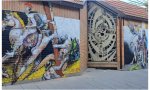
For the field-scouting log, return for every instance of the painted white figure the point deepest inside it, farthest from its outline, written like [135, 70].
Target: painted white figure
[17, 34]
[138, 46]
[138, 51]
[14, 35]
[29, 38]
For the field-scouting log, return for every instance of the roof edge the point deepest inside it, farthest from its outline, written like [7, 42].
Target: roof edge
[136, 18]
[121, 14]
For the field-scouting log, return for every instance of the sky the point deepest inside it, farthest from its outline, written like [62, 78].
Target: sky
[129, 1]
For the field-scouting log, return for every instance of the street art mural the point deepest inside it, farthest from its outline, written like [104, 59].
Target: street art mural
[101, 34]
[28, 46]
[136, 44]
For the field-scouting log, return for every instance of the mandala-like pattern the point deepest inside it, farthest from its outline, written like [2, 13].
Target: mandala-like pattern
[101, 35]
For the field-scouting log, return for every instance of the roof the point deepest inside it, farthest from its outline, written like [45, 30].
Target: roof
[126, 10]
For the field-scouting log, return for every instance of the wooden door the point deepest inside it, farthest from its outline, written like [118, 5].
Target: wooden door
[101, 34]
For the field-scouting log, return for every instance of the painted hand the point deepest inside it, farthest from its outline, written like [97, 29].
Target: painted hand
[10, 54]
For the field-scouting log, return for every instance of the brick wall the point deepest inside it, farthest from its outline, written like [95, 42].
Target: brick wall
[83, 38]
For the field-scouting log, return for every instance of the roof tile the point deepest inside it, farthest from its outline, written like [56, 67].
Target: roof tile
[128, 9]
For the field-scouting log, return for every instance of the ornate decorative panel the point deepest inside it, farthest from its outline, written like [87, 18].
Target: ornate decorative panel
[101, 35]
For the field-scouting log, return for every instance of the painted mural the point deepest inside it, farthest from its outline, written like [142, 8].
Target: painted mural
[101, 34]
[136, 44]
[31, 51]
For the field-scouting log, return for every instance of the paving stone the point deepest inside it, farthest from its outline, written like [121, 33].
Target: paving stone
[93, 79]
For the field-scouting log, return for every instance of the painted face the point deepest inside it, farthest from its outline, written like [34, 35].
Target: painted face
[55, 40]
[31, 40]
[27, 9]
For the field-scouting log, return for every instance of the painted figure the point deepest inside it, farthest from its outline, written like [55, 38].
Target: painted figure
[14, 34]
[28, 47]
[50, 72]
[137, 45]
[69, 50]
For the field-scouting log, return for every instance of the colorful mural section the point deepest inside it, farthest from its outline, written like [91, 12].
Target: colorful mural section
[136, 45]
[31, 51]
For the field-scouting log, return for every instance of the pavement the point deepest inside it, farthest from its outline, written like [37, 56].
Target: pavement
[92, 79]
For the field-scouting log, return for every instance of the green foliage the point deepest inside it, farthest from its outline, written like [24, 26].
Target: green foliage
[135, 67]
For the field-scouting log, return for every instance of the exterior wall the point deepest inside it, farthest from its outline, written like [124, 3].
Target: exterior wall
[135, 37]
[37, 6]
[84, 39]
[19, 6]
[66, 12]
[78, 21]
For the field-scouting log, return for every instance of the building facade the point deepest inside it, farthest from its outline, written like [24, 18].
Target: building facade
[44, 40]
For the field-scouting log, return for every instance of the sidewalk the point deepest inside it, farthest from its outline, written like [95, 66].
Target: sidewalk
[92, 79]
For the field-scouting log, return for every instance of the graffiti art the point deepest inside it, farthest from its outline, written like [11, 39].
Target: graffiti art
[28, 46]
[135, 44]
[101, 35]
